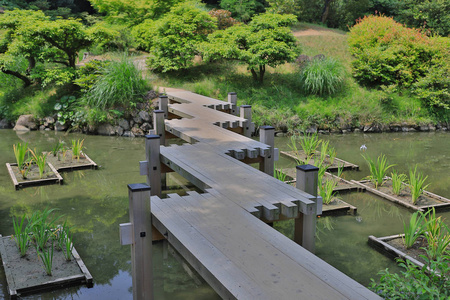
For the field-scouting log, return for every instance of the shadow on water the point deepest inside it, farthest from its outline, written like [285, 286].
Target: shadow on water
[96, 202]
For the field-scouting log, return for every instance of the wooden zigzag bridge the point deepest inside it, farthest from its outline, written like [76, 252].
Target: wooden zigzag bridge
[224, 232]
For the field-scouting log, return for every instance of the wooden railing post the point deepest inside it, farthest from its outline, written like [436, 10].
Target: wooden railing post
[232, 99]
[141, 241]
[267, 136]
[163, 104]
[152, 144]
[246, 113]
[158, 125]
[305, 225]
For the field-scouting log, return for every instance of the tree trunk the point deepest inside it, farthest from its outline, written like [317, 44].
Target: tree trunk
[26, 80]
[255, 76]
[326, 10]
[31, 64]
[262, 70]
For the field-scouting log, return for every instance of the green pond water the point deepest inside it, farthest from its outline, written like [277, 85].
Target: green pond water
[96, 202]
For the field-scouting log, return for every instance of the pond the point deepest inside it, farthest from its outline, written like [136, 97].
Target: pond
[96, 202]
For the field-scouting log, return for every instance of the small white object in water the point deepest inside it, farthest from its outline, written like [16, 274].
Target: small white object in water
[359, 219]
[363, 148]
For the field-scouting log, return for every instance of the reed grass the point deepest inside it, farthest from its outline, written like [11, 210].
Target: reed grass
[77, 148]
[397, 182]
[310, 143]
[20, 150]
[378, 169]
[41, 225]
[278, 174]
[21, 236]
[46, 256]
[326, 190]
[414, 229]
[57, 148]
[416, 184]
[437, 234]
[40, 161]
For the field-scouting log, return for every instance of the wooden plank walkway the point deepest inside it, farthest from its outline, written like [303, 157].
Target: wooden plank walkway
[240, 256]
[243, 258]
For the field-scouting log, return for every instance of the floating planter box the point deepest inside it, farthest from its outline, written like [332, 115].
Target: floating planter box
[66, 163]
[300, 155]
[26, 275]
[33, 179]
[425, 202]
[391, 246]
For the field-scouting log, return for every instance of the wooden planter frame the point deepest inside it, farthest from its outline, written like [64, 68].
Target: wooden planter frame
[35, 182]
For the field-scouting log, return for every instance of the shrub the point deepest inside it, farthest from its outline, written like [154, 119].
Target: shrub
[120, 84]
[387, 53]
[224, 19]
[322, 76]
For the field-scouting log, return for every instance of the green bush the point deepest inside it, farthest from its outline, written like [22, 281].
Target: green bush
[120, 84]
[322, 76]
[387, 53]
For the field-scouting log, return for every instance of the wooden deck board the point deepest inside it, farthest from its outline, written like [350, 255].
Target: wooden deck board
[251, 248]
[189, 97]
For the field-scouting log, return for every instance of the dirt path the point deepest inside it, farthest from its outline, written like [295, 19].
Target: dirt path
[314, 32]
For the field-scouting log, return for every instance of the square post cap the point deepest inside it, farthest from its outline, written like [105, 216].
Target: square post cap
[246, 106]
[158, 111]
[152, 136]
[162, 96]
[139, 187]
[232, 93]
[267, 127]
[307, 168]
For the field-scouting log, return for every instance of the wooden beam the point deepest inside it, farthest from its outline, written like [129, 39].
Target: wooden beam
[232, 99]
[163, 103]
[152, 150]
[267, 136]
[159, 126]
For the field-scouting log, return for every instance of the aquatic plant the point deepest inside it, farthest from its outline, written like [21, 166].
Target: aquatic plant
[326, 191]
[397, 182]
[40, 161]
[340, 170]
[331, 154]
[378, 170]
[416, 184]
[58, 147]
[413, 229]
[309, 143]
[437, 234]
[41, 226]
[278, 174]
[363, 148]
[77, 148]
[47, 258]
[64, 239]
[21, 236]
[20, 151]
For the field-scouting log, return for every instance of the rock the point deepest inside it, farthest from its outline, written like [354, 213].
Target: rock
[280, 134]
[312, 129]
[318, 57]
[345, 131]
[21, 128]
[124, 124]
[145, 116]
[131, 123]
[119, 130]
[60, 127]
[47, 129]
[146, 127]
[150, 95]
[106, 129]
[324, 131]
[42, 127]
[302, 60]
[28, 121]
[357, 130]
[138, 120]
[128, 134]
[431, 127]
[49, 121]
[137, 131]
[424, 128]
[4, 124]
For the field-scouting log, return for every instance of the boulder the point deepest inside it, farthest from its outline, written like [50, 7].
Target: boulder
[137, 131]
[49, 121]
[21, 128]
[4, 124]
[145, 116]
[128, 134]
[60, 127]
[106, 129]
[119, 130]
[150, 95]
[137, 119]
[146, 127]
[124, 124]
[27, 121]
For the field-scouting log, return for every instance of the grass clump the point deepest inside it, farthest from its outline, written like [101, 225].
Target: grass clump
[414, 229]
[21, 236]
[77, 148]
[120, 84]
[397, 182]
[322, 76]
[40, 161]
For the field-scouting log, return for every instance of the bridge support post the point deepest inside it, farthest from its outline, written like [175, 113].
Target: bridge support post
[141, 241]
[267, 136]
[246, 113]
[163, 104]
[232, 99]
[305, 225]
[152, 144]
[160, 129]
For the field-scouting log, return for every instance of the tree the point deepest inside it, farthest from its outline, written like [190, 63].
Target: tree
[284, 7]
[173, 39]
[15, 43]
[133, 12]
[243, 10]
[266, 40]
